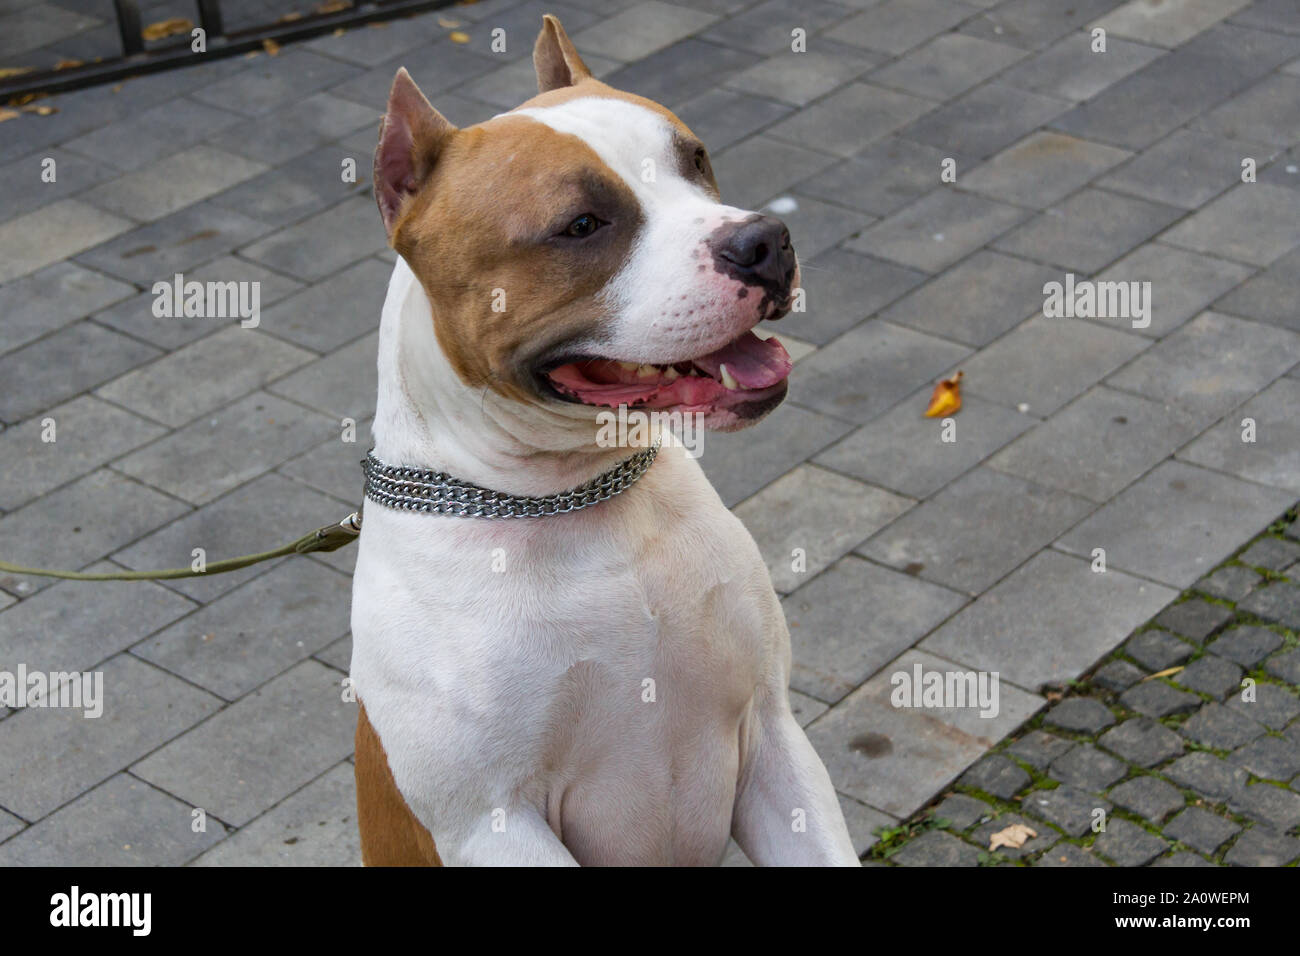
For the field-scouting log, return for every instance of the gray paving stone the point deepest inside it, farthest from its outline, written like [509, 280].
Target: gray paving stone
[202, 376]
[1260, 846]
[936, 848]
[863, 821]
[1273, 554]
[1273, 458]
[1168, 24]
[75, 625]
[1183, 858]
[947, 66]
[260, 430]
[1274, 706]
[818, 513]
[1272, 758]
[1156, 650]
[51, 756]
[1253, 222]
[1187, 169]
[1067, 854]
[519, 23]
[961, 811]
[51, 298]
[261, 749]
[945, 539]
[1231, 583]
[310, 249]
[1210, 675]
[1195, 620]
[56, 231]
[1068, 808]
[334, 465]
[288, 194]
[1175, 523]
[938, 230]
[765, 28]
[274, 82]
[195, 235]
[1219, 728]
[760, 168]
[1087, 768]
[1143, 742]
[1069, 70]
[87, 432]
[372, 43]
[1154, 699]
[640, 30]
[1278, 603]
[1265, 113]
[882, 178]
[1267, 804]
[508, 86]
[447, 65]
[816, 226]
[1034, 23]
[853, 118]
[174, 182]
[252, 633]
[873, 367]
[314, 827]
[304, 125]
[896, 759]
[339, 656]
[1098, 445]
[985, 120]
[1088, 230]
[1207, 775]
[81, 522]
[1182, 284]
[800, 78]
[843, 289]
[1044, 838]
[73, 174]
[1247, 645]
[122, 822]
[1051, 594]
[343, 383]
[1041, 169]
[996, 776]
[1127, 844]
[1148, 797]
[1200, 829]
[996, 293]
[727, 117]
[1285, 666]
[1117, 676]
[904, 452]
[896, 26]
[893, 612]
[805, 709]
[1038, 748]
[1083, 715]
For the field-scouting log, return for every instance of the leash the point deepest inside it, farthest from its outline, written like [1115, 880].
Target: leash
[329, 538]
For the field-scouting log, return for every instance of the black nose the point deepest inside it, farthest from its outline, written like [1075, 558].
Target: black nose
[758, 250]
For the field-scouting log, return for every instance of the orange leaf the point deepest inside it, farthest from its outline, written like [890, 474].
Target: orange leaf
[458, 37]
[167, 28]
[946, 398]
[271, 47]
[8, 71]
[8, 115]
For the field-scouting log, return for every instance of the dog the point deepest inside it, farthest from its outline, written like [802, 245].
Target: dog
[606, 685]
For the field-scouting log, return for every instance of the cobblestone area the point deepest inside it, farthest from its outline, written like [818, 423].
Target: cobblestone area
[1186, 739]
[1075, 434]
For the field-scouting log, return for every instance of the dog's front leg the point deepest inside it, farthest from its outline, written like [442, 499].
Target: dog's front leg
[516, 836]
[786, 811]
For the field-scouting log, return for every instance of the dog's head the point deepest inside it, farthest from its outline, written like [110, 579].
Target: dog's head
[576, 252]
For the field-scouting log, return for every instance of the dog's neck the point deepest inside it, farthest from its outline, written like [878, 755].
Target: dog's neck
[427, 417]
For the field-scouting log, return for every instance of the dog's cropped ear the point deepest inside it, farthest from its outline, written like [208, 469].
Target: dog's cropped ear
[411, 135]
[555, 58]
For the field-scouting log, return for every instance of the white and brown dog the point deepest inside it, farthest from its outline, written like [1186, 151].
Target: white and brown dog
[607, 686]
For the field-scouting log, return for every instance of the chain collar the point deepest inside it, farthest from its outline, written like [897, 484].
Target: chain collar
[415, 489]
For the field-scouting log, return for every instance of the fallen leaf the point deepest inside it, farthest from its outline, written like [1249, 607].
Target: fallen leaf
[117, 88]
[68, 64]
[458, 37]
[1164, 673]
[271, 47]
[290, 17]
[447, 24]
[332, 6]
[167, 28]
[946, 398]
[41, 110]
[1013, 837]
[8, 115]
[7, 71]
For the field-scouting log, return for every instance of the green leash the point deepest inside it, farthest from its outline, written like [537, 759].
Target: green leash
[329, 538]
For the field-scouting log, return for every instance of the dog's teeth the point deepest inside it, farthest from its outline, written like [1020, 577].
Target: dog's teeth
[728, 380]
[647, 371]
[671, 374]
[628, 366]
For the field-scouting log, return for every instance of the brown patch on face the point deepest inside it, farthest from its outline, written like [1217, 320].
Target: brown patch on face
[486, 229]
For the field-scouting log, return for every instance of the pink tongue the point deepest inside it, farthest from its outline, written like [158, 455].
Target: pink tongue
[751, 361]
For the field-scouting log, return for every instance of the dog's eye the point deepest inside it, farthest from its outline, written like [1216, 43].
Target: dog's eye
[583, 226]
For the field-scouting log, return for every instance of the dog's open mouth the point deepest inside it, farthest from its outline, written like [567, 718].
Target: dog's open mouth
[743, 371]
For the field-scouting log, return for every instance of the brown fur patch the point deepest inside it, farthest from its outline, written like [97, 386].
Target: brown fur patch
[390, 833]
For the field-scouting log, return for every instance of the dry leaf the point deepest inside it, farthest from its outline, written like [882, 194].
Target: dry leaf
[946, 398]
[1013, 837]
[271, 47]
[1164, 673]
[458, 37]
[332, 6]
[290, 17]
[447, 24]
[167, 28]
[8, 115]
[68, 64]
[41, 110]
[8, 71]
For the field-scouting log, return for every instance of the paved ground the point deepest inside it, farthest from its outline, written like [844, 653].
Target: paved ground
[975, 554]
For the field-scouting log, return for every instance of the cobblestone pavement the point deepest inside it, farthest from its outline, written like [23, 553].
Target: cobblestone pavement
[977, 554]
[1181, 749]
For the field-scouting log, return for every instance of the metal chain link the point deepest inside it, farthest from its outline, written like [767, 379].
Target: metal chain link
[435, 492]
